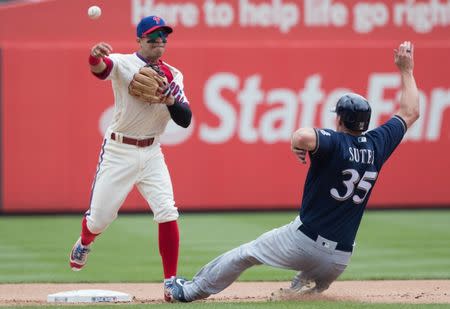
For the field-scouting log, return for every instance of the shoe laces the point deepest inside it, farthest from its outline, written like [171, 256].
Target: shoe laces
[80, 252]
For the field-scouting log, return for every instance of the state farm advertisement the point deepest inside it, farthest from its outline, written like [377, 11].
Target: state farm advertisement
[236, 153]
[254, 72]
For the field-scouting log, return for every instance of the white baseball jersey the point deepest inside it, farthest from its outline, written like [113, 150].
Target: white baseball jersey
[132, 117]
[122, 166]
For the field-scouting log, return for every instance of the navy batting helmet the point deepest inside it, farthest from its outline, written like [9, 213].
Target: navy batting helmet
[354, 111]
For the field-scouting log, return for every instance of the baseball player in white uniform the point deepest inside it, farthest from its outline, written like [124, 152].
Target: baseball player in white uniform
[131, 153]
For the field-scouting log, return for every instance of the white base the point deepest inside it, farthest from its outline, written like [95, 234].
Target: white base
[89, 296]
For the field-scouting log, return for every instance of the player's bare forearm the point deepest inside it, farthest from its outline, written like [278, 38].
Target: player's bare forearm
[409, 100]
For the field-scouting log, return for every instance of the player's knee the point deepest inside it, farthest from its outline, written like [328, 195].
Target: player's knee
[99, 223]
[245, 256]
[166, 214]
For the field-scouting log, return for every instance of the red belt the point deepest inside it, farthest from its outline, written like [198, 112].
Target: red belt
[132, 141]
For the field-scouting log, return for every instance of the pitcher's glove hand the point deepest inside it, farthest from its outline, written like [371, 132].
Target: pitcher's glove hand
[147, 85]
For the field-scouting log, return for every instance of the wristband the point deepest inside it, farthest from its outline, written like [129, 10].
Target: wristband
[94, 60]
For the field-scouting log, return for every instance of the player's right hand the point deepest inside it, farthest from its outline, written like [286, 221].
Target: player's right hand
[101, 50]
[404, 57]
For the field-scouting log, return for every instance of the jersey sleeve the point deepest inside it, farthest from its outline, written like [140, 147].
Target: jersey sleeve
[389, 135]
[325, 145]
[115, 60]
[178, 88]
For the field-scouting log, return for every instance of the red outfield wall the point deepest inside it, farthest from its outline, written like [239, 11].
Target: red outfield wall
[254, 72]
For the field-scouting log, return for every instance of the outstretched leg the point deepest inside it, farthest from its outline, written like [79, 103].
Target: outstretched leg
[278, 247]
[219, 273]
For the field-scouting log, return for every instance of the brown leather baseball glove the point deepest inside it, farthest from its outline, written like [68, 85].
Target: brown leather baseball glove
[146, 85]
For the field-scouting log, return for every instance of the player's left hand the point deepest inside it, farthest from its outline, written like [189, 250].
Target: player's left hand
[168, 100]
[301, 154]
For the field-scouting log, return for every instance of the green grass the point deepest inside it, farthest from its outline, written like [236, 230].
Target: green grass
[390, 245]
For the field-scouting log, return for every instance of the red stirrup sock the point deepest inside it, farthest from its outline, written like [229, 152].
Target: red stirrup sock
[86, 236]
[169, 242]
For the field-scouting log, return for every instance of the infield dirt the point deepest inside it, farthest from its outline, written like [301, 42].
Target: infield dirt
[409, 291]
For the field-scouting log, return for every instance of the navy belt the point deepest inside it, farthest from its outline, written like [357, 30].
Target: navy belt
[313, 235]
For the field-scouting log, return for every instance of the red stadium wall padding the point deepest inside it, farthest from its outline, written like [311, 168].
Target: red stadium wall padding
[251, 84]
[229, 21]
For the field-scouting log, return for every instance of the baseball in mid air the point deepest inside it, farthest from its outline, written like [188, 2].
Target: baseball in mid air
[94, 12]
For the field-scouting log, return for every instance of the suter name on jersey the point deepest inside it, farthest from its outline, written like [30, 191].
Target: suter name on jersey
[365, 156]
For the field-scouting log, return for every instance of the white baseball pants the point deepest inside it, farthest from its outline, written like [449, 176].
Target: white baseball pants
[120, 167]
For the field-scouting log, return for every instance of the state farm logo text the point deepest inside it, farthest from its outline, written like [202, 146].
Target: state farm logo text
[240, 108]
[257, 115]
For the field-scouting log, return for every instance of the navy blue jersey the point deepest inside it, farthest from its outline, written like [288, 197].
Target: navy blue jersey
[343, 171]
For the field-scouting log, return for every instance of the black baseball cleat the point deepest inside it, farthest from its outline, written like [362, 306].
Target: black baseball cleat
[176, 287]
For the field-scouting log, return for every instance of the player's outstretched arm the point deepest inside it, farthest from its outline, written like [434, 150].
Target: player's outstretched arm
[304, 139]
[409, 100]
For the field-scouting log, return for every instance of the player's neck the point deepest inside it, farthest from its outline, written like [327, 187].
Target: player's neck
[152, 60]
[340, 127]
[351, 132]
[148, 59]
